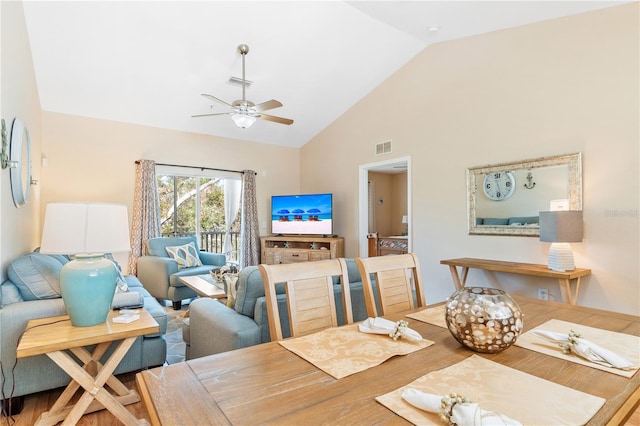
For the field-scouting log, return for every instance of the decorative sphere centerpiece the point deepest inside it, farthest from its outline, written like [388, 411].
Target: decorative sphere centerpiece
[483, 319]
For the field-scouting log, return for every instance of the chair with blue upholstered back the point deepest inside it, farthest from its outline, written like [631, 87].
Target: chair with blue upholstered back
[160, 273]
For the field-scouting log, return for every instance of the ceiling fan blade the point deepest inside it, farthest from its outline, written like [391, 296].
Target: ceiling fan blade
[275, 119]
[209, 115]
[213, 98]
[267, 105]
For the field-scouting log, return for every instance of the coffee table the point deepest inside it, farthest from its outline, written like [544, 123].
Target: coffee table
[203, 285]
[53, 336]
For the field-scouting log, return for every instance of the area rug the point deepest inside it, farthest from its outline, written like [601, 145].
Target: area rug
[175, 344]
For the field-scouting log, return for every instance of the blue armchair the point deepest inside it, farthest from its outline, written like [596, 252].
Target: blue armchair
[159, 273]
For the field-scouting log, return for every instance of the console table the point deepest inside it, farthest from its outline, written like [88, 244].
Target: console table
[292, 249]
[564, 278]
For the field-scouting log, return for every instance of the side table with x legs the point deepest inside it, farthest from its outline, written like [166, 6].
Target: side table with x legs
[55, 336]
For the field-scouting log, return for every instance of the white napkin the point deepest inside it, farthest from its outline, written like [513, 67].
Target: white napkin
[468, 413]
[384, 326]
[587, 350]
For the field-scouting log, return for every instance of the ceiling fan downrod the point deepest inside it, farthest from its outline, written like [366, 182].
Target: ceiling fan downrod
[243, 49]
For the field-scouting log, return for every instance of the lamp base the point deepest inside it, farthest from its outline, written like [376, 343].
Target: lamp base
[87, 284]
[561, 257]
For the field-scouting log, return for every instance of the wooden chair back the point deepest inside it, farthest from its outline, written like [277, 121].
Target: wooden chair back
[310, 299]
[394, 275]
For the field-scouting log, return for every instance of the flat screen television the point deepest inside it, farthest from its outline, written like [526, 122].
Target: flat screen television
[304, 214]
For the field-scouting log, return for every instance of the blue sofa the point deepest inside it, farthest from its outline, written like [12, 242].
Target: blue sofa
[30, 293]
[213, 327]
[160, 274]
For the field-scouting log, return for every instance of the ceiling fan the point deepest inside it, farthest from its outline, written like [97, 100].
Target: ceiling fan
[243, 112]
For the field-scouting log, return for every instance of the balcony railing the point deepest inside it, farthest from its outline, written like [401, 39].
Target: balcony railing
[212, 241]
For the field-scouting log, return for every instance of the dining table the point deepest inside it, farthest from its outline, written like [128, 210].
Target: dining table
[268, 384]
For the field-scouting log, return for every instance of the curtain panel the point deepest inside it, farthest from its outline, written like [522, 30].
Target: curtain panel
[232, 192]
[249, 228]
[146, 211]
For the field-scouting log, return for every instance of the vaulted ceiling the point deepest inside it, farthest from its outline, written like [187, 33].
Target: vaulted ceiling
[147, 62]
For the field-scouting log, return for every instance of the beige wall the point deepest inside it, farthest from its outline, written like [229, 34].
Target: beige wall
[399, 206]
[93, 160]
[555, 87]
[391, 202]
[19, 227]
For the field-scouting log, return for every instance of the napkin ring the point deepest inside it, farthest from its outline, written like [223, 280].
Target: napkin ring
[572, 340]
[446, 408]
[400, 325]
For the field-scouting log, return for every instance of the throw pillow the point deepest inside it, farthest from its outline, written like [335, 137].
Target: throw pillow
[9, 294]
[36, 275]
[186, 255]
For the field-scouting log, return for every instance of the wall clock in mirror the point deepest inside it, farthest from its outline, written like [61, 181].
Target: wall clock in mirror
[499, 186]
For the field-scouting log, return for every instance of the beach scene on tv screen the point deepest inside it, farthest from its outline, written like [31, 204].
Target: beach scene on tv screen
[301, 214]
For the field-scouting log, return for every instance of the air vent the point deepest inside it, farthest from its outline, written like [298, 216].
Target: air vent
[383, 148]
[237, 81]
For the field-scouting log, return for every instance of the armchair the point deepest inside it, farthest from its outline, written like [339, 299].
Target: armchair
[160, 274]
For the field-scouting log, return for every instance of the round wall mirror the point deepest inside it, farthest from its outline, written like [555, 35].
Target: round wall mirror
[20, 152]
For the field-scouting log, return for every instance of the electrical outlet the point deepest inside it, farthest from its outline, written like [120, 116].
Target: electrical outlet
[543, 294]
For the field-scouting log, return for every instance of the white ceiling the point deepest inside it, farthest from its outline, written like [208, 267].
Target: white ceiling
[147, 62]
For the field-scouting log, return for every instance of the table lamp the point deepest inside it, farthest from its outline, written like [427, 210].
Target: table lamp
[405, 221]
[86, 231]
[560, 228]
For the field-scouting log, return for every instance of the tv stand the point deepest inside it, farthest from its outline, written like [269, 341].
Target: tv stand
[295, 248]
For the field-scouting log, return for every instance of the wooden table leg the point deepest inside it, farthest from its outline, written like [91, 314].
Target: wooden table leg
[116, 385]
[456, 278]
[94, 387]
[465, 273]
[565, 287]
[72, 388]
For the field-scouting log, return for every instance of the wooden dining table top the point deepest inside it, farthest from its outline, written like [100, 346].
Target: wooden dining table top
[267, 384]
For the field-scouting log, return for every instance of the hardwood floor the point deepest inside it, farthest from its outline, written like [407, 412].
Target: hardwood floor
[40, 402]
[634, 420]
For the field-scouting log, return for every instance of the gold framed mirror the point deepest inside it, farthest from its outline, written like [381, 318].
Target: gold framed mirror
[506, 198]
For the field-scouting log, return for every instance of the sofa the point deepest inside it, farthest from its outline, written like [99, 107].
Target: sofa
[160, 274]
[31, 292]
[213, 327]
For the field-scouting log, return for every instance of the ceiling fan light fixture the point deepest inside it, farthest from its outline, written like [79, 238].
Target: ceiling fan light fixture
[243, 120]
[243, 112]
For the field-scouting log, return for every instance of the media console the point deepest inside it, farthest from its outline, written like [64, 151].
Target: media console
[294, 248]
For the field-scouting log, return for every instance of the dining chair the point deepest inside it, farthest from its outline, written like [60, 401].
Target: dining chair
[395, 275]
[309, 293]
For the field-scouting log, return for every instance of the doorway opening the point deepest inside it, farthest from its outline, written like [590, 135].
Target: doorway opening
[382, 207]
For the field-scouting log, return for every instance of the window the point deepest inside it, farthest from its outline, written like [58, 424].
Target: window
[194, 205]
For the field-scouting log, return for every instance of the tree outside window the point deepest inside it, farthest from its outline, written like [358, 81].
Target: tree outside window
[194, 205]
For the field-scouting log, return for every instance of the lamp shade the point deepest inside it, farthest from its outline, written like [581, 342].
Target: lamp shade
[405, 219]
[561, 226]
[76, 228]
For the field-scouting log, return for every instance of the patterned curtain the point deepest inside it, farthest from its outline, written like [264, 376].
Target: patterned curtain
[249, 231]
[146, 211]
